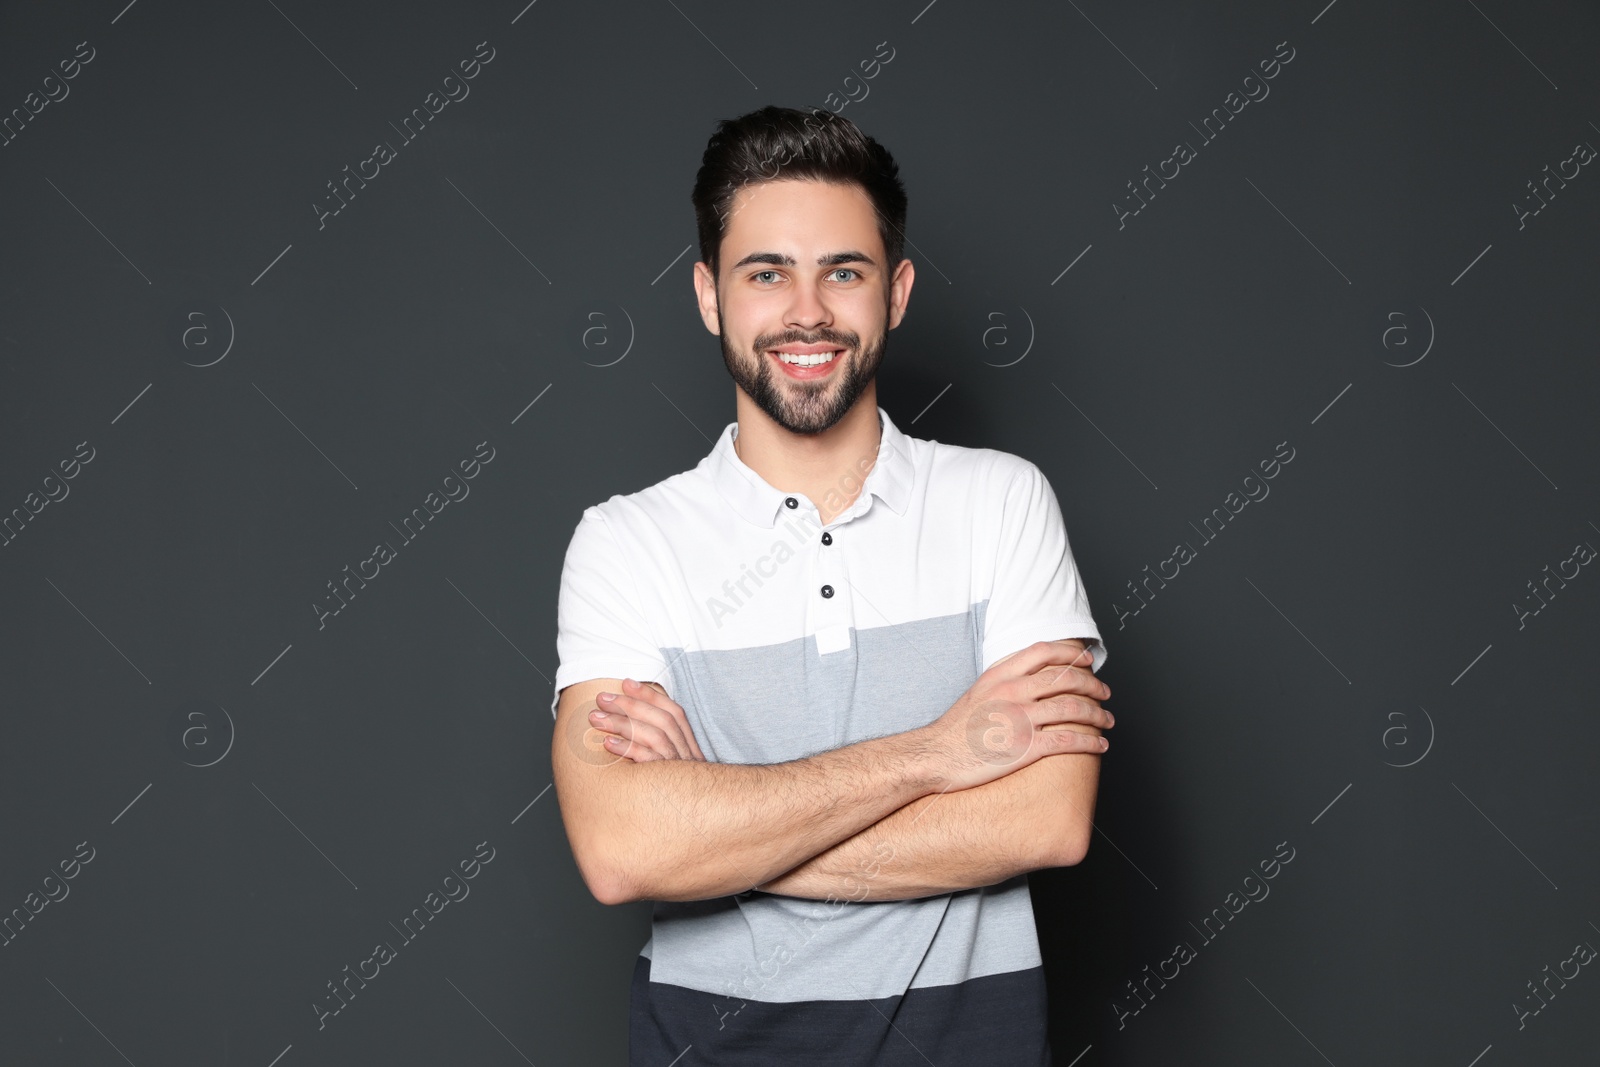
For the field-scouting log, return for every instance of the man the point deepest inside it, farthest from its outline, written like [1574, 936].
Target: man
[868, 706]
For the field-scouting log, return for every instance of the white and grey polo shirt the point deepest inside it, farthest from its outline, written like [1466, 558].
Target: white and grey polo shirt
[782, 638]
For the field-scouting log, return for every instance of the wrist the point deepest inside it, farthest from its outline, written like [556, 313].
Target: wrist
[928, 765]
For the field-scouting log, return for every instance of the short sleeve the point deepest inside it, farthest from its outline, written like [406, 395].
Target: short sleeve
[1037, 594]
[601, 630]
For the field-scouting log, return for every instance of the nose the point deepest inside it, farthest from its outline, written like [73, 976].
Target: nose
[807, 311]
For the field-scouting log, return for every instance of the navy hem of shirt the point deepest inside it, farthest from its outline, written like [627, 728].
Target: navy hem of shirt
[996, 1020]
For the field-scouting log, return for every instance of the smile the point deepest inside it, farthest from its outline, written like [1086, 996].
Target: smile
[812, 359]
[806, 366]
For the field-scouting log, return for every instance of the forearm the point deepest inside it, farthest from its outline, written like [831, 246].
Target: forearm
[943, 843]
[693, 830]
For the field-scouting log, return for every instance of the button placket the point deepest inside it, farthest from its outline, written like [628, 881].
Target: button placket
[830, 588]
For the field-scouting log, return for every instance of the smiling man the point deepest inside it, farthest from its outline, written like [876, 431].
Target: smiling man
[827, 697]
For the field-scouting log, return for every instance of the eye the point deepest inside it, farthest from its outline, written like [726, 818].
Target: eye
[845, 270]
[758, 274]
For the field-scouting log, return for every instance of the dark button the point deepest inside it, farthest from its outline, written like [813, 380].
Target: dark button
[827, 591]
[827, 538]
[791, 502]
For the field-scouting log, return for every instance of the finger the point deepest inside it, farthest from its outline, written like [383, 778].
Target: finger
[1067, 709]
[654, 728]
[630, 750]
[641, 713]
[1067, 739]
[1051, 681]
[680, 718]
[1036, 656]
[694, 746]
[644, 737]
[1073, 661]
[1074, 652]
[622, 739]
[672, 718]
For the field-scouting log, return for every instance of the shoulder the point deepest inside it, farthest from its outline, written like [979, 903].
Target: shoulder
[653, 510]
[987, 473]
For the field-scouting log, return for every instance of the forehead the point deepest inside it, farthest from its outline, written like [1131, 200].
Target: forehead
[821, 216]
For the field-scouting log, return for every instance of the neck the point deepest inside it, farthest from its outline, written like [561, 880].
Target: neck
[829, 468]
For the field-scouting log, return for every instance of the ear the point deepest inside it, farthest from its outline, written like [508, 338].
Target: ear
[705, 288]
[900, 292]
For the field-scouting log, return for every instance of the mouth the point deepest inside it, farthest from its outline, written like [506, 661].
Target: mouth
[806, 365]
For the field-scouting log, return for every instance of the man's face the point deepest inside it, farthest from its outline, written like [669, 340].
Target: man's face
[802, 265]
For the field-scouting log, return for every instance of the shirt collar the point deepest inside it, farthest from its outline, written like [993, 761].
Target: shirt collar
[760, 504]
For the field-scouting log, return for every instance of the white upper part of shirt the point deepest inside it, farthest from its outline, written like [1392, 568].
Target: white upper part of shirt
[715, 560]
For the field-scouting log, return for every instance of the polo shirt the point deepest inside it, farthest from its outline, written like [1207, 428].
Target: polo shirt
[782, 637]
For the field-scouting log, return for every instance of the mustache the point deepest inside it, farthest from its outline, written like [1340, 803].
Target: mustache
[767, 344]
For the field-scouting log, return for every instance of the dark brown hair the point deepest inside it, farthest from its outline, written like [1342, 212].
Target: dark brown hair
[776, 143]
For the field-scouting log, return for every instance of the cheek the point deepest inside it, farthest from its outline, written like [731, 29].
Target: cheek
[741, 322]
[869, 314]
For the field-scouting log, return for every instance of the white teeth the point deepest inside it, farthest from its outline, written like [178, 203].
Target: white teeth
[807, 360]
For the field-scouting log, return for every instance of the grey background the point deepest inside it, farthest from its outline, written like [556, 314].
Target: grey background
[483, 288]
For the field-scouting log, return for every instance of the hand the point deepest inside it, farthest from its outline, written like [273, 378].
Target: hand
[1015, 712]
[645, 724]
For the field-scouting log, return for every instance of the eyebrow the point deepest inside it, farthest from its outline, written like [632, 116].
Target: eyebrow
[780, 259]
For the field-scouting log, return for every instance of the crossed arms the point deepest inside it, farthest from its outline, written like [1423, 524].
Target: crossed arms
[886, 819]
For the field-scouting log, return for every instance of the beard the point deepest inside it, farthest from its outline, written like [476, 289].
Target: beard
[805, 407]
